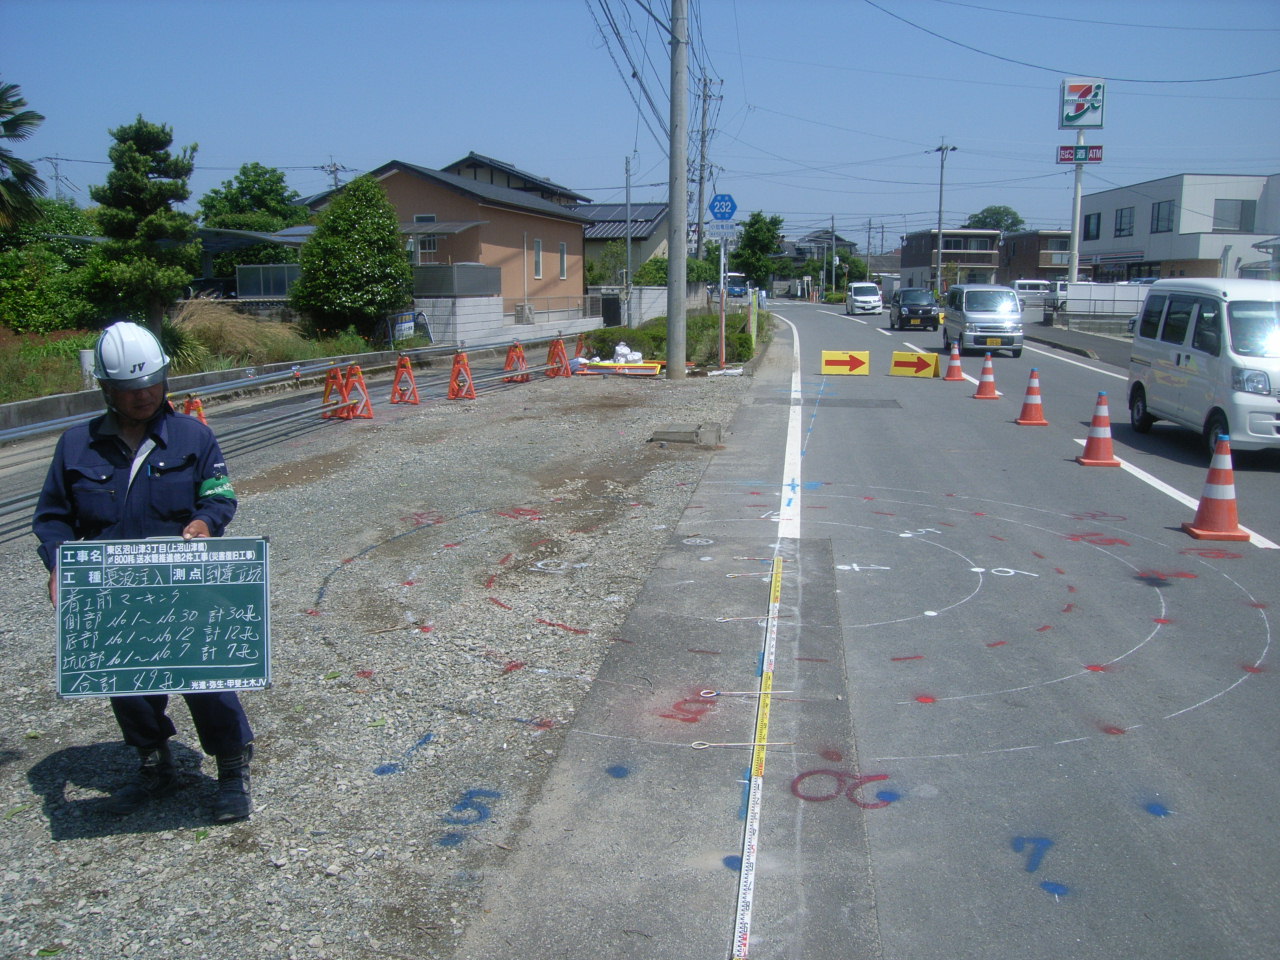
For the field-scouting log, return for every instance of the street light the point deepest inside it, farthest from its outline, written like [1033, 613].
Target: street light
[942, 152]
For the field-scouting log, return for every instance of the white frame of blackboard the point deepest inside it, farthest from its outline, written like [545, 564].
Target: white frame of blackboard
[130, 612]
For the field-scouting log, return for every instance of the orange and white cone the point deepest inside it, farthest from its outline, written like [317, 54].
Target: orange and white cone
[1032, 411]
[1097, 447]
[987, 382]
[1216, 515]
[954, 370]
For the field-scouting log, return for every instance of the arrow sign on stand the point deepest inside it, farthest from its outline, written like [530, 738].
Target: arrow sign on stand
[844, 362]
[914, 364]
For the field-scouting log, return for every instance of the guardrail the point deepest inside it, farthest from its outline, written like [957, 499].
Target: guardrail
[29, 418]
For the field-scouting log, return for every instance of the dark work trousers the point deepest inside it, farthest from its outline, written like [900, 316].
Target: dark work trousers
[220, 721]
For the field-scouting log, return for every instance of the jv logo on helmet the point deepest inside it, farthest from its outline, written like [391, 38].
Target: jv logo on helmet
[137, 367]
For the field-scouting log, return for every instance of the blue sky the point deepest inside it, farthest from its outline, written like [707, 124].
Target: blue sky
[827, 107]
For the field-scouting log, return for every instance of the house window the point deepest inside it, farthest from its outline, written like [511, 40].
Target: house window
[1058, 243]
[1092, 226]
[426, 241]
[564, 261]
[537, 259]
[1124, 222]
[1233, 216]
[1162, 216]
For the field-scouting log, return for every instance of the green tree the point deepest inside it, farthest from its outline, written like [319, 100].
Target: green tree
[609, 268]
[255, 189]
[151, 251]
[996, 217]
[354, 270]
[653, 272]
[760, 239]
[19, 185]
[257, 198]
[41, 279]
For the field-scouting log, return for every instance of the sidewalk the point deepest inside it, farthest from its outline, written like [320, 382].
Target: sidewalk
[1109, 350]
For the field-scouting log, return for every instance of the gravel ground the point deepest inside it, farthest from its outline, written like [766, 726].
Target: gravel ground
[446, 580]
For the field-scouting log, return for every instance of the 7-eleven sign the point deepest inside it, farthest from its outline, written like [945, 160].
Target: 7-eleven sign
[1081, 104]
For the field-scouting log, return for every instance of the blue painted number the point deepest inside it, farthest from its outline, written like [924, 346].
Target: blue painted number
[470, 808]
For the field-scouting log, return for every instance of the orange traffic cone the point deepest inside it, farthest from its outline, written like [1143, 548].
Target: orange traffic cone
[399, 392]
[1216, 515]
[461, 385]
[1097, 447]
[954, 370]
[987, 382]
[1032, 412]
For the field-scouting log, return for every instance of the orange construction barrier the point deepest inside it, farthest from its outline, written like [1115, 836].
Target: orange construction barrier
[334, 381]
[581, 349]
[461, 385]
[516, 361]
[954, 370]
[192, 407]
[399, 392]
[987, 382]
[1097, 447]
[360, 409]
[1032, 411]
[557, 361]
[1216, 516]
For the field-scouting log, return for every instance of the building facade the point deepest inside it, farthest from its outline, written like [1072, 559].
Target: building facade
[1036, 255]
[968, 256]
[1188, 225]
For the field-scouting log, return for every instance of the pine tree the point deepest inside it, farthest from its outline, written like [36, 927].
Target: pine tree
[151, 251]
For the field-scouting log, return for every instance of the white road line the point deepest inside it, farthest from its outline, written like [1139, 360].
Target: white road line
[1257, 539]
[1077, 363]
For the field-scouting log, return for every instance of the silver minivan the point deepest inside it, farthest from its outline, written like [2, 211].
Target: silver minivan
[863, 298]
[983, 317]
[1206, 355]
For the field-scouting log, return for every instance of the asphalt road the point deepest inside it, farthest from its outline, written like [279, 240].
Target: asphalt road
[1015, 711]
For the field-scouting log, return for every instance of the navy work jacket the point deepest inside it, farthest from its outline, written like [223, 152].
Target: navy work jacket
[87, 494]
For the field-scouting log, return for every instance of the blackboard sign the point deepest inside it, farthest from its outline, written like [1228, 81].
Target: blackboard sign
[162, 616]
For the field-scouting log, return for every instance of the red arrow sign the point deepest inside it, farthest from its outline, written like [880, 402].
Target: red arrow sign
[852, 362]
[920, 364]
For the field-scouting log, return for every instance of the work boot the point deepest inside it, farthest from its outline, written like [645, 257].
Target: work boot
[157, 777]
[233, 801]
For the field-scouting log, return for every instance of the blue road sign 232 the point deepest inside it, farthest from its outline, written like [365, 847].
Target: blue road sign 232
[722, 207]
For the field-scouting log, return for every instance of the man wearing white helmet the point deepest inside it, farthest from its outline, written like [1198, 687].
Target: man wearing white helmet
[142, 470]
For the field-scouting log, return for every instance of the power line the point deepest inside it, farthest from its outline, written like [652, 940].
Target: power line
[1058, 70]
[1110, 23]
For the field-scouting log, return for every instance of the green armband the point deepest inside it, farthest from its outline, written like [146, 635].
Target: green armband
[217, 487]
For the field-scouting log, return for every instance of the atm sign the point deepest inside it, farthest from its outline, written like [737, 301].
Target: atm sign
[1089, 153]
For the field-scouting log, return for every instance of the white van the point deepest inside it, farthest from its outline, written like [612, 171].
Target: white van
[1032, 293]
[983, 317]
[1206, 355]
[863, 298]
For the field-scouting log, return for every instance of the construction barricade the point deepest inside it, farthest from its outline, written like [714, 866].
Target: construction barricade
[404, 389]
[461, 384]
[516, 361]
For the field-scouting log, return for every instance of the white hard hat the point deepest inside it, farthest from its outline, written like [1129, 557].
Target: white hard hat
[129, 357]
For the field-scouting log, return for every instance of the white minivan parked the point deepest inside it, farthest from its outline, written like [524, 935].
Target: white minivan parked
[1206, 355]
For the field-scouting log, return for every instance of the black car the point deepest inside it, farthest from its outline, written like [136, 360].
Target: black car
[913, 308]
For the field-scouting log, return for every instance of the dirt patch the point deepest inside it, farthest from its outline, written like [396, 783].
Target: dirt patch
[284, 476]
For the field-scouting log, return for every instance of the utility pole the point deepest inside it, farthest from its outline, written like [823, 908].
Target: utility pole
[627, 288]
[702, 165]
[677, 191]
[867, 258]
[833, 253]
[942, 152]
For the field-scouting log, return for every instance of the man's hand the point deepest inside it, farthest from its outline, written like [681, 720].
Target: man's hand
[53, 587]
[195, 530]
